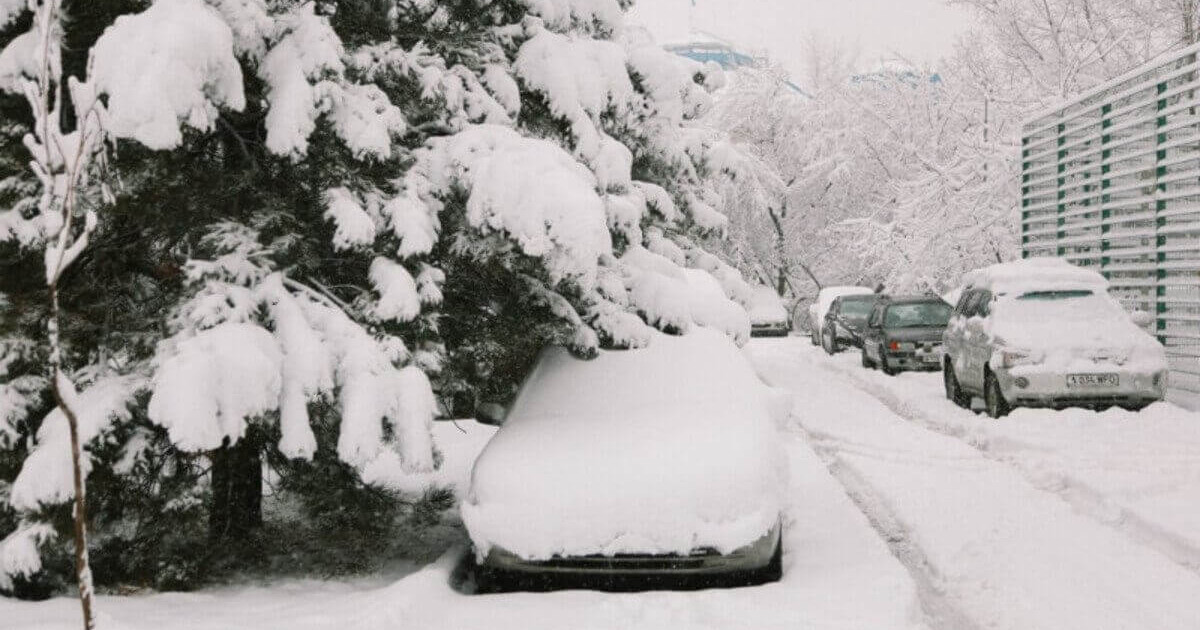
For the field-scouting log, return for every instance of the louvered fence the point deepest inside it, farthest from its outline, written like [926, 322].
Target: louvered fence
[1111, 181]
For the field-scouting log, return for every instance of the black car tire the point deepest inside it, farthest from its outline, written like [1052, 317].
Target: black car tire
[997, 407]
[887, 369]
[866, 361]
[830, 343]
[954, 391]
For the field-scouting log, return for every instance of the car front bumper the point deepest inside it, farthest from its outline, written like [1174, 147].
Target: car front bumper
[752, 557]
[1035, 386]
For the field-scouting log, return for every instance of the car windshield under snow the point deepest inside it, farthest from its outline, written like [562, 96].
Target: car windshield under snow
[918, 314]
[1049, 307]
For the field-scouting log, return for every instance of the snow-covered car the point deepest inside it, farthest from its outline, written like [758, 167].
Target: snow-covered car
[825, 298]
[905, 333]
[649, 465]
[1044, 333]
[845, 321]
[768, 316]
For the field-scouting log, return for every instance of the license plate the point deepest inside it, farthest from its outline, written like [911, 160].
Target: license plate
[1093, 380]
[930, 358]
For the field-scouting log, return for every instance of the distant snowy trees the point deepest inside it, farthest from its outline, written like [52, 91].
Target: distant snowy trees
[908, 176]
[327, 224]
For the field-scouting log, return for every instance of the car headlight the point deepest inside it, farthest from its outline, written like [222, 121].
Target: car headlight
[1012, 357]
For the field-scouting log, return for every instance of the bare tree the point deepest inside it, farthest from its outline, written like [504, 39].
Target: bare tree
[63, 162]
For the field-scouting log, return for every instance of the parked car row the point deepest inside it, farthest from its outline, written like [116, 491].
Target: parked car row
[1030, 333]
[560, 495]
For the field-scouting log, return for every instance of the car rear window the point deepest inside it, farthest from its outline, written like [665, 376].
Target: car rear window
[857, 308]
[1055, 295]
[917, 314]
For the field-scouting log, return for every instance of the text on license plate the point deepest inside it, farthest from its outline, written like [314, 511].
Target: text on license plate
[1093, 380]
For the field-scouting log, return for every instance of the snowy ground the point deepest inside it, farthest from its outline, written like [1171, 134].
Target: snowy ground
[905, 512]
[838, 575]
[1043, 520]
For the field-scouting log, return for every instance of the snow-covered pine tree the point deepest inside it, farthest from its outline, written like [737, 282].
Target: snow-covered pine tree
[342, 207]
[231, 241]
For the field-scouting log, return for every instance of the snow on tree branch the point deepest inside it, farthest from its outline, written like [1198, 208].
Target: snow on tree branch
[527, 190]
[172, 63]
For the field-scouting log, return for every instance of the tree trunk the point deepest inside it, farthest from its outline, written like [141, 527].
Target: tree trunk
[236, 490]
[83, 567]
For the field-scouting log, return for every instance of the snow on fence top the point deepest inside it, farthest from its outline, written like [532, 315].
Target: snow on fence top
[1110, 181]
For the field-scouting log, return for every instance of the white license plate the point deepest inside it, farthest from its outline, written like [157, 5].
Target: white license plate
[1093, 380]
[930, 358]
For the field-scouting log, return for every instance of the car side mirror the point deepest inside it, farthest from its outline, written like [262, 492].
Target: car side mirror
[491, 414]
[1142, 318]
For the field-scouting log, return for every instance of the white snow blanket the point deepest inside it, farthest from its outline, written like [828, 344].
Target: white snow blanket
[837, 574]
[766, 307]
[660, 450]
[1034, 274]
[1043, 520]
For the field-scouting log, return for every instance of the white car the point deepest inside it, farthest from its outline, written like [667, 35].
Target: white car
[818, 309]
[1044, 333]
[662, 463]
[768, 316]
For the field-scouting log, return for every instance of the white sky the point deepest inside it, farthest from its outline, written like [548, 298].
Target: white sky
[920, 30]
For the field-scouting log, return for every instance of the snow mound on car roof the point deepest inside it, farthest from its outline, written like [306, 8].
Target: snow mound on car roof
[660, 450]
[766, 307]
[827, 295]
[1035, 274]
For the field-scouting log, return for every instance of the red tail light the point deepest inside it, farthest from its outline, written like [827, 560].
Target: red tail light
[895, 345]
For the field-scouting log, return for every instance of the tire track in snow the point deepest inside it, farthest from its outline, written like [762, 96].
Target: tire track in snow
[1082, 497]
[939, 611]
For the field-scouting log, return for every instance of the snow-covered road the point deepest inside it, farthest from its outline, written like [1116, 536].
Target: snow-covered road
[1044, 520]
[906, 513]
[838, 574]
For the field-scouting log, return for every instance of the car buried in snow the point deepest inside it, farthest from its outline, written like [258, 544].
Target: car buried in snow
[905, 333]
[819, 307]
[659, 467]
[768, 316]
[1045, 333]
[846, 321]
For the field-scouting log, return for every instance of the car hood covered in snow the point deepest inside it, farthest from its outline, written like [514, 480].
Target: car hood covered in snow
[1076, 333]
[661, 450]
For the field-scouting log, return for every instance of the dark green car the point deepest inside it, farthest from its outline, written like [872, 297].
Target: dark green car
[905, 333]
[845, 321]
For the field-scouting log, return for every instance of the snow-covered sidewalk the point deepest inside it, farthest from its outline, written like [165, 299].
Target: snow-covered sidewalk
[1003, 549]
[837, 574]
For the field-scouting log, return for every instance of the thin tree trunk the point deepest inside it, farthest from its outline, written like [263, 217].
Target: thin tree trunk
[781, 247]
[83, 569]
